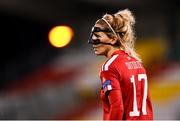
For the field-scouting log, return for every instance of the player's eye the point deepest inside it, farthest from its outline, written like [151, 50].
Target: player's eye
[96, 35]
[98, 29]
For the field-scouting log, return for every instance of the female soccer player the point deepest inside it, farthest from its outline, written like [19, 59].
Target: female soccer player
[125, 92]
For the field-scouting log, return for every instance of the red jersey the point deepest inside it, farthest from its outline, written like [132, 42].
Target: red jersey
[125, 93]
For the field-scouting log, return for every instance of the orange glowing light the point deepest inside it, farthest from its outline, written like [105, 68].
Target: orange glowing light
[60, 36]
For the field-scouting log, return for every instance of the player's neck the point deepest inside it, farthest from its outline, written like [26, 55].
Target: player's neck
[111, 51]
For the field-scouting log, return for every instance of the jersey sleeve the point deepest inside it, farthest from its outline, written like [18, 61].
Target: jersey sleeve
[111, 87]
[116, 105]
[110, 80]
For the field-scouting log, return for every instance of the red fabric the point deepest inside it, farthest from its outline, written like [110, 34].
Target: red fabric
[116, 105]
[117, 91]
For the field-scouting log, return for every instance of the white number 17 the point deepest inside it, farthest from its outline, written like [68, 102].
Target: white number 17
[135, 111]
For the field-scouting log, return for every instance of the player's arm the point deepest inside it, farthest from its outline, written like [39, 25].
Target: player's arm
[113, 92]
[116, 105]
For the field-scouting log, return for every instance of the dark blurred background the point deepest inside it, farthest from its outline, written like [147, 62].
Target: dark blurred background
[40, 81]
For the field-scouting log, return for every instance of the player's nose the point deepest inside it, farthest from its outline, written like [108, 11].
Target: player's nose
[94, 37]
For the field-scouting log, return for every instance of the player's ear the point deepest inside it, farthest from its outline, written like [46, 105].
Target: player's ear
[114, 40]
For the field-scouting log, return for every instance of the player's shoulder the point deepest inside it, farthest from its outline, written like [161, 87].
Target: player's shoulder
[125, 60]
[115, 61]
[110, 62]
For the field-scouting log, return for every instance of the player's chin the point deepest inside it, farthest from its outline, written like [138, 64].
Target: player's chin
[97, 53]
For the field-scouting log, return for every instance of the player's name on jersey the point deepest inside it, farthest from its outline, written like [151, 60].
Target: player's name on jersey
[133, 65]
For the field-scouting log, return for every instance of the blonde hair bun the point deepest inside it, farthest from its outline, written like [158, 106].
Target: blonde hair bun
[127, 15]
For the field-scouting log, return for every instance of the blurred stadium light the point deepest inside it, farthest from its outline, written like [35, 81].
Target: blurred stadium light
[60, 36]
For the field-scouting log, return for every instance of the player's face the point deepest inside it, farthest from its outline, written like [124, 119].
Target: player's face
[101, 49]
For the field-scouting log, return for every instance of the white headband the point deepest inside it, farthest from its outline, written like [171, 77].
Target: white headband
[110, 27]
[114, 32]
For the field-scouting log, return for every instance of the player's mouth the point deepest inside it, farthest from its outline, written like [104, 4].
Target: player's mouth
[96, 46]
[95, 49]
